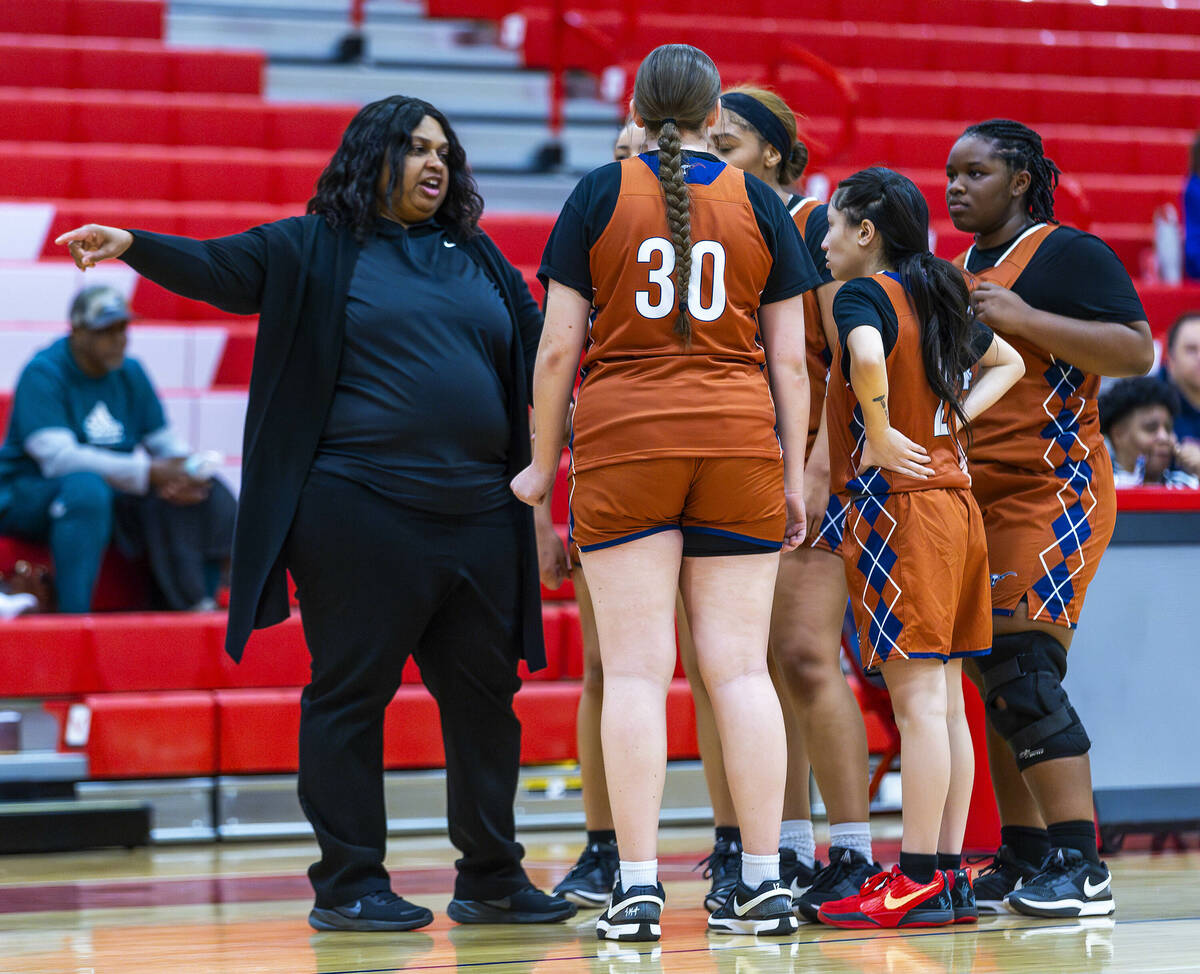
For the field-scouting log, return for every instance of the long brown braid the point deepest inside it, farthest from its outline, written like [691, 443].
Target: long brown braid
[676, 87]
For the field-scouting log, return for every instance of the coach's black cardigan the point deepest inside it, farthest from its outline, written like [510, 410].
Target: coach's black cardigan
[295, 274]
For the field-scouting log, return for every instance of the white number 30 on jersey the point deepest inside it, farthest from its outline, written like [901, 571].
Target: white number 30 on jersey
[660, 277]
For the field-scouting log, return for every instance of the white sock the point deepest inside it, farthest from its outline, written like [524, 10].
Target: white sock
[643, 873]
[852, 835]
[797, 834]
[759, 869]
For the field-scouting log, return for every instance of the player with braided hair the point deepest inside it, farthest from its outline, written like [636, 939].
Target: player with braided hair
[1044, 483]
[687, 463]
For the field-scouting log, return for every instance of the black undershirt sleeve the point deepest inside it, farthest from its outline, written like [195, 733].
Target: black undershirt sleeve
[567, 257]
[792, 271]
[863, 302]
[815, 229]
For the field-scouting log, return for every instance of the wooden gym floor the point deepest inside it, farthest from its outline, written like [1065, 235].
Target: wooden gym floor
[242, 908]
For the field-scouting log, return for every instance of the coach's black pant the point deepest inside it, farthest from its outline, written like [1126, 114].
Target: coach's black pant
[377, 583]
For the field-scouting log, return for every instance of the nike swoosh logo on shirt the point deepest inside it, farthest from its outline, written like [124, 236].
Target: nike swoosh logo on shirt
[892, 903]
[1089, 890]
[447, 243]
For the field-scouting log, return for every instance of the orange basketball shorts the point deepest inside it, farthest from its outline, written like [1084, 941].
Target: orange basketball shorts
[917, 571]
[723, 505]
[1046, 534]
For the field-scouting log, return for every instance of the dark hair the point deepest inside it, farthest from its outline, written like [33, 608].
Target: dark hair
[1021, 149]
[901, 216]
[793, 161]
[380, 135]
[1173, 331]
[676, 87]
[1126, 395]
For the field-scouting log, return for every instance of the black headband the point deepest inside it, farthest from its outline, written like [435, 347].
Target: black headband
[762, 118]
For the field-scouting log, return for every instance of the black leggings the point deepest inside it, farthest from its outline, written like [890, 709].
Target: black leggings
[377, 583]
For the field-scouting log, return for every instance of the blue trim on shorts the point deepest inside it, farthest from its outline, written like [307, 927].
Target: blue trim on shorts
[772, 545]
[1004, 612]
[629, 537]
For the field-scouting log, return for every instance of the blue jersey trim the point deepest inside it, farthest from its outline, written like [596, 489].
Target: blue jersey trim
[697, 169]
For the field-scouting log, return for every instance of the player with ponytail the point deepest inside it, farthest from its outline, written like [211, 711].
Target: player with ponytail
[687, 449]
[915, 560]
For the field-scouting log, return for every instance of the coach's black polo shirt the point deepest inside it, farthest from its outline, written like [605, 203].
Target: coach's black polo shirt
[420, 411]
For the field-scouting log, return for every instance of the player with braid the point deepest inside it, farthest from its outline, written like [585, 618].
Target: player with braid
[757, 133]
[590, 879]
[1044, 483]
[687, 452]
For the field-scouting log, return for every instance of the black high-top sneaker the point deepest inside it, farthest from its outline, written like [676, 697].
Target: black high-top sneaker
[794, 874]
[723, 865]
[1000, 877]
[590, 880]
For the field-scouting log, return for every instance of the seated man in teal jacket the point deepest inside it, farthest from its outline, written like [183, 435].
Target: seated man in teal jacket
[89, 459]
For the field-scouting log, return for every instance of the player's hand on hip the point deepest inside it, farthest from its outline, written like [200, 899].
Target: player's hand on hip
[92, 243]
[894, 451]
[531, 485]
[795, 531]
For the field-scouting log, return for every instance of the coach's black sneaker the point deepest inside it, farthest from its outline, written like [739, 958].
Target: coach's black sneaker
[846, 872]
[632, 914]
[764, 912]
[794, 874]
[591, 878]
[723, 865]
[1000, 877]
[528, 905]
[1066, 886]
[381, 911]
[962, 896]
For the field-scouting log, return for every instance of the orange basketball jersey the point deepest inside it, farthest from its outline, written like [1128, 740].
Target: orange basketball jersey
[817, 355]
[1050, 417]
[915, 410]
[645, 392]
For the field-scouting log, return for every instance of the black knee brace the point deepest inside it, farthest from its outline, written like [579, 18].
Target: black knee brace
[1025, 700]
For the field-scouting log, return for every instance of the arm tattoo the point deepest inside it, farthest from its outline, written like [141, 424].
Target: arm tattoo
[882, 400]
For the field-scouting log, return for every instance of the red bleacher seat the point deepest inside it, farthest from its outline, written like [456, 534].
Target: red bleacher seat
[133, 65]
[95, 18]
[169, 119]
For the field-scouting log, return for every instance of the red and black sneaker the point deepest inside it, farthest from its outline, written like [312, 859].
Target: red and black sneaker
[892, 900]
[962, 895]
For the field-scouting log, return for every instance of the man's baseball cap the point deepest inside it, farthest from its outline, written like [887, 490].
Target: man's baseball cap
[99, 306]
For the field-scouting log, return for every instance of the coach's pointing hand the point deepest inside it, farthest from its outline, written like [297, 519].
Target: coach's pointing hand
[92, 243]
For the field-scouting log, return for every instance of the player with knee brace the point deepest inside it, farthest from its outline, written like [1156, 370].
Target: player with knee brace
[1044, 483]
